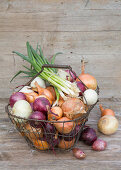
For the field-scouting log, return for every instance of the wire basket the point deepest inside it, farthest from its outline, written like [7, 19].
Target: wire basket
[40, 138]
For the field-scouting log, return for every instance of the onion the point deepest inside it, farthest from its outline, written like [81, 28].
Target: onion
[49, 128]
[57, 113]
[78, 153]
[41, 144]
[90, 97]
[37, 116]
[30, 97]
[64, 127]
[52, 90]
[15, 97]
[99, 145]
[26, 89]
[22, 109]
[87, 79]
[72, 134]
[45, 97]
[88, 135]
[106, 111]
[33, 133]
[40, 82]
[40, 104]
[73, 108]
[66, 144]
[81, 86]
[43, 91]
[108, 124]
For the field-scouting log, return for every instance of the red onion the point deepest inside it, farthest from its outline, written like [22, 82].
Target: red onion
[81, 86]
[40, 104]
[99, 145]
[37, 116]
[72, 76]
[15, 97]
[88, 135]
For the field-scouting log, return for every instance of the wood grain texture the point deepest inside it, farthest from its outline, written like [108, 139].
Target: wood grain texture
[91, 29]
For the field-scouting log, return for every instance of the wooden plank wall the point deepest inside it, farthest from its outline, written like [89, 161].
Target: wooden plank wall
[88, 28]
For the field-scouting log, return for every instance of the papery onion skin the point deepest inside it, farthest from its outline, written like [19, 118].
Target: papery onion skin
[108, 124]
[57, 113]
[40, 144]
[15, 97]
[99, 145]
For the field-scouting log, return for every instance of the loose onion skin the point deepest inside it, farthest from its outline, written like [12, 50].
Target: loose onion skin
[99, 145]
[108, 124]
[106, 111]
[15, 97]
[66, 144]
[66, 127]
[87, 79]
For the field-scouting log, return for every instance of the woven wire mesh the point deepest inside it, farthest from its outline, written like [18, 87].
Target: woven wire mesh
[40, 138]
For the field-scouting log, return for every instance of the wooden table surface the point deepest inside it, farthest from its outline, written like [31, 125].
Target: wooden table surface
[88, 28]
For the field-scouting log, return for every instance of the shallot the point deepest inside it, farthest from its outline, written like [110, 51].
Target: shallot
[78, 153]
[106, 111]
[99, 145]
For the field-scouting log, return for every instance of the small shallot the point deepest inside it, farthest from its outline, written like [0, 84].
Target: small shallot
[78, 153]
[99, 145]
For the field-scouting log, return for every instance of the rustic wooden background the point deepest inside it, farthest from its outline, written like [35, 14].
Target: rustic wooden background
[88, 28]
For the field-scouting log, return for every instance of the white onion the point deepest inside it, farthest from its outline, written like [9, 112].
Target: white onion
[40, 82]
[90, 97]
[22, 109]
[26, 89]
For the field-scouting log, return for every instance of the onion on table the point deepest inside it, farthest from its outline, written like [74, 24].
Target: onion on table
[108, 124]
[106, 111]
[78, 153]
[99, 145]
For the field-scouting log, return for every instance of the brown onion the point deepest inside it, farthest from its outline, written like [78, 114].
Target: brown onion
[64, 127]
[87, 79]
[73, 108]
[106, 111]
[66, 144]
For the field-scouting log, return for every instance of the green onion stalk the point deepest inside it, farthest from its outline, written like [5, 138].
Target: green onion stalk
[37, 60]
